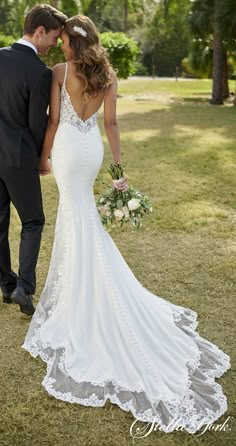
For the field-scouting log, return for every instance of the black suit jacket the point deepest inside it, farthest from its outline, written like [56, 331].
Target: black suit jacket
[24, 97]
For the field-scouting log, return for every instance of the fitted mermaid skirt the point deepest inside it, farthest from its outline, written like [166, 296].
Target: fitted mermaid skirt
[100, 332]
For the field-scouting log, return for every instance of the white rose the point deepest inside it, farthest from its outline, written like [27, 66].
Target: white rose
[118, 214]
[125, 211]
[133, 204]
[102, 209]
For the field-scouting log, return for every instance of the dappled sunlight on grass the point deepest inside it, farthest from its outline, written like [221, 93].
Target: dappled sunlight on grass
[201, 212]
[140, 107]
[140, 135]
[213, 137]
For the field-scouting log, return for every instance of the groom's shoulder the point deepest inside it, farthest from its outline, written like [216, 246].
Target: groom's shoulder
[6, 53]
[25, 63]
[22, 54]
[41, 64]
[5, 49]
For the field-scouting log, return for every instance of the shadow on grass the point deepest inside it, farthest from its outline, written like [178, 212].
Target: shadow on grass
[196, 100]
[185, 134]
[191, 160]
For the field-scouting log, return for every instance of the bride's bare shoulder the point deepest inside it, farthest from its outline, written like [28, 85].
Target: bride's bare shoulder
[59, 72]
[113, 75]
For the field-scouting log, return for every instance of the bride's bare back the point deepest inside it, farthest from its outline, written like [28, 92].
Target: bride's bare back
[74, 87]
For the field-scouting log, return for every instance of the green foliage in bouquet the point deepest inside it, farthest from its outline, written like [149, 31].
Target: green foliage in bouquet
[117, 207]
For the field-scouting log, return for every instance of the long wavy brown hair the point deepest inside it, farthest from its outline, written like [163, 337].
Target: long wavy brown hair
[91, 60]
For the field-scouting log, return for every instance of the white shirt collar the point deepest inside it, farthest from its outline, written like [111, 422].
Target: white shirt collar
[26, 43]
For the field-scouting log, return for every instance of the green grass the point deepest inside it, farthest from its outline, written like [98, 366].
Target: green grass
[182, 154]
[183, 88]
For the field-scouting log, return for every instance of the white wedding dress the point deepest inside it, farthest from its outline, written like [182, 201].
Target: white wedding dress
[101, 333]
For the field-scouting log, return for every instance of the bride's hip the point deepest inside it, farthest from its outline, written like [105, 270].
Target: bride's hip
[76, 156]
[74, 150]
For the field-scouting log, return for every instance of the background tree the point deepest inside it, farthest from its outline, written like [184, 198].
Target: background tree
[215, 21]
[199, 62]
[84, 6]
[69, 7]
[4, 14]
[167, 39]
[123, 16]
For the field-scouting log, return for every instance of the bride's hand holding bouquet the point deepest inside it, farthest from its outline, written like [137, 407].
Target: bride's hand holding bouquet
[120, 203]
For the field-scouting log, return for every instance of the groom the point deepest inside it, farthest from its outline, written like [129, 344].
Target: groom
[24, 97]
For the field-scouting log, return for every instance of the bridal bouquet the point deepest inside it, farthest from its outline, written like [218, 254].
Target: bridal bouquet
[115, 206]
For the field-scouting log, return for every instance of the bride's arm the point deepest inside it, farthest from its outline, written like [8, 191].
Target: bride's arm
[54, 116]
[110, 120]
[111, 126]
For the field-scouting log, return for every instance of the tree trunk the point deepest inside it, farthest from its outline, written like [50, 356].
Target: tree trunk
[235, 94]
[126, 16]
[225, 77]
[218, 60]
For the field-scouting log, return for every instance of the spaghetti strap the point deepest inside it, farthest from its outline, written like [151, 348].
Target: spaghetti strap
[64, 82]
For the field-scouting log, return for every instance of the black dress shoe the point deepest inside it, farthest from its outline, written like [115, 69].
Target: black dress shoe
[24, 299]
[6, 298]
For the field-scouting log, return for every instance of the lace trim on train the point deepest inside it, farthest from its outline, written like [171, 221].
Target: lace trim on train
[181, 408]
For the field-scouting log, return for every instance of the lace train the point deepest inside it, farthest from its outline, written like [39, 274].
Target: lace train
[203, 402]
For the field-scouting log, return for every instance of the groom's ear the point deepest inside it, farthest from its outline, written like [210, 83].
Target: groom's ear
[40, 31]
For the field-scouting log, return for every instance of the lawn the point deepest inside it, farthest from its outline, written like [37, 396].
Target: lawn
[181, 152]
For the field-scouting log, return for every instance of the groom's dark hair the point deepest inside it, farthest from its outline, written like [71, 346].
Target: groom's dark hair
[43, 15]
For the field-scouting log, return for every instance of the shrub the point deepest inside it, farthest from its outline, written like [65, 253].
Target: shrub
[6, 40]
[123, 52]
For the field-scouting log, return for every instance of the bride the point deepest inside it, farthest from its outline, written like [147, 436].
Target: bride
[101, 333]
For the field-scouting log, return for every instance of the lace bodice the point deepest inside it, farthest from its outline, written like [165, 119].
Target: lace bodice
[69, 115]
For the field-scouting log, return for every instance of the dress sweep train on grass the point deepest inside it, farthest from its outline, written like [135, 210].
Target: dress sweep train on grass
[101, 333]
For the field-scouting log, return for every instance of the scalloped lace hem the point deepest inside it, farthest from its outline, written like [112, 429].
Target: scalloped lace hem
[203, 402]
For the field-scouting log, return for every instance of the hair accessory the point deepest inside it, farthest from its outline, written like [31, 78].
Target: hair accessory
[80, 30]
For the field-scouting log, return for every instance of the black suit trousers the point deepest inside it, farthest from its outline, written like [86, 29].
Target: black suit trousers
[22, 188]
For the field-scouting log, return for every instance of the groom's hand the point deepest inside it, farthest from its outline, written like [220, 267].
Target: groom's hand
[44, 167]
